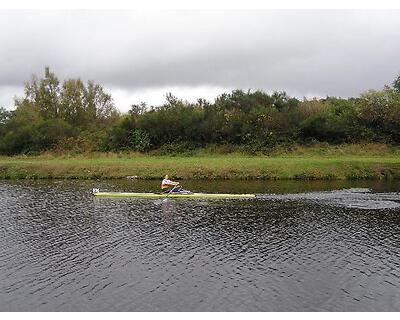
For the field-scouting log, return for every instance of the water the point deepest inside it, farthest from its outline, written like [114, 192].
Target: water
[300, 246]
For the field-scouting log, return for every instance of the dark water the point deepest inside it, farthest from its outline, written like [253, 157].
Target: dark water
[298, 247]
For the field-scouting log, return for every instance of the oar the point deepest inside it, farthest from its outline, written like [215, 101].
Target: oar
[172, 190]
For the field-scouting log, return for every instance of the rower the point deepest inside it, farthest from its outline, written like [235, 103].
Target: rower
[168, 186]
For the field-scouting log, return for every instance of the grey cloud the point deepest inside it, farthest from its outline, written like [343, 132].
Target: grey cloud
[326, 52]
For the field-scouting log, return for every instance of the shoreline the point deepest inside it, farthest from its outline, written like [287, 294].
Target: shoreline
[213, 167]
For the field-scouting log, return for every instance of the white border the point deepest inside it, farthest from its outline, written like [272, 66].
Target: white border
[195, 5]
[199, 315]
[199, 4]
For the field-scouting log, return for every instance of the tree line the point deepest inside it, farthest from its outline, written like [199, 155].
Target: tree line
[73, 116]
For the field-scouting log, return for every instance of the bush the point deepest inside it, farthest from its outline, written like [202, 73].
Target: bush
[49, 132]
[139, 141]
[75, 145]
[332, 120]
[249, 121]
[19, 141]
[35, 138]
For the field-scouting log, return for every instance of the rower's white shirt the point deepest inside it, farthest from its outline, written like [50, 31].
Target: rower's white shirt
[168, 182]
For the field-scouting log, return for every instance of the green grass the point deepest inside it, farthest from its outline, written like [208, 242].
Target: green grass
[300, 163]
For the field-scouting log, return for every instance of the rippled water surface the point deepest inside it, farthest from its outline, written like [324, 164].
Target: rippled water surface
[297, 247]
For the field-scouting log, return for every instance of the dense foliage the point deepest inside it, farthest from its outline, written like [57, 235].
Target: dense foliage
[79, 117]
[50, 112]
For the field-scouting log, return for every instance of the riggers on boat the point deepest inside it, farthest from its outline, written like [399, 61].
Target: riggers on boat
[97, 193]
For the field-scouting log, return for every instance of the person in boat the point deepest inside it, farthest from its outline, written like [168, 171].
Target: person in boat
[168, 186]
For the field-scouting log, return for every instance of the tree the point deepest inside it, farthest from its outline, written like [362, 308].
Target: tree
[5, 115]
[139, 141]
[26, 112]
[380, 111]
[49, 132]
[44, 94]
[100, 109]
[41, 99]
[84, 106]
[73, 108]
[396, 84]
[138, 109]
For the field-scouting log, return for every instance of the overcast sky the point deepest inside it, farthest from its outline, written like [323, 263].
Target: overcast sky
[141, 55]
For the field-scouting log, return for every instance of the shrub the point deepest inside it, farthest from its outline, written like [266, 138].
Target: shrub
[139, 140]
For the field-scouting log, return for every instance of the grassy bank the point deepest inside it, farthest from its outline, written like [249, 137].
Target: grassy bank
[323, 162]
